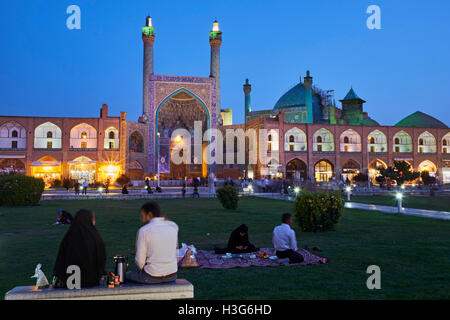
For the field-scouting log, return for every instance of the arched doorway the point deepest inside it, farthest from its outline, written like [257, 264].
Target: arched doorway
[12, 165]
[296, 169]
[135, 170]
[82, 169]
[47, 168]
[179, 111]
[349, 170]
[323, 171]
[428, 166]
[374, 169]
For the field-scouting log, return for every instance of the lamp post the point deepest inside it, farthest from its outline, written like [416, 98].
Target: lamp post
[399, 197]
[348, 190]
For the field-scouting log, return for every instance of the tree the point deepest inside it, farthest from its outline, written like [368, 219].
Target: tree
[123, 180]
[427, 179]
[400, 172]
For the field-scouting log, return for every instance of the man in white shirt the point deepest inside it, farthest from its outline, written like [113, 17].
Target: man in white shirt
[284, 240]
[156, 247]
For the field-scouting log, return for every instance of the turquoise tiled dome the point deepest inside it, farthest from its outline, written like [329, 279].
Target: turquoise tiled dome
[294, 97]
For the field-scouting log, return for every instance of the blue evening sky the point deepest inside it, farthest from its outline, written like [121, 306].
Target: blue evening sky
[48, 70]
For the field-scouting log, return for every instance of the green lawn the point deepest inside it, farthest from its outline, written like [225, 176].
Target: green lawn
[418, 202]
[413, 253]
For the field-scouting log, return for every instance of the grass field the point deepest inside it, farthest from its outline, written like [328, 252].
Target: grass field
[413, 253]
[418, 202]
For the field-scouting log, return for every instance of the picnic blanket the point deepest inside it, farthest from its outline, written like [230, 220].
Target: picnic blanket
[210, 260]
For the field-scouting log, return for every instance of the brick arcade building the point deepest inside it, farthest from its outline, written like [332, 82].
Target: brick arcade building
[315, 139]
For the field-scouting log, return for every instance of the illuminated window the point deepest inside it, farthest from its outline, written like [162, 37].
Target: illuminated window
[83, 145]
[345, 148]
[421, 150]
[319, 148]
[83, 135]
[49, 144]
[291, 147]
[372, 140]
[372, 149]
[397, 149]
[269, 147]
[111, 145]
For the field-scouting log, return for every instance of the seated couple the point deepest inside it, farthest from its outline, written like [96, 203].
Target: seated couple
[83, 246]
[284, 241]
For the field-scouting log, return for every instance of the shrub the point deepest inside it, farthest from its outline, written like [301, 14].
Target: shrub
[56, 183]
[318, 211]
[228, 197]
[123, 180]
[20, 190]
[68, 184]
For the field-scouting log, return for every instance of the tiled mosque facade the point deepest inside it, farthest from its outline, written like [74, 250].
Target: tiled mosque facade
[315, 140]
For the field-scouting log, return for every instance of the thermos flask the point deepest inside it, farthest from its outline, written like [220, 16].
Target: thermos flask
[121, 267]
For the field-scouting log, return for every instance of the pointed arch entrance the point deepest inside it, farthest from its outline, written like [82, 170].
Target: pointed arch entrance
[296, 169]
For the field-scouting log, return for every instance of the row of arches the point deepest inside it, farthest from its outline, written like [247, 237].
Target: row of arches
[49, 136]
[324, 170]
[350, 141]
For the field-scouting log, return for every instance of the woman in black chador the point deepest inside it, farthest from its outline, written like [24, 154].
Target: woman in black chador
[238, 242]
[81, 246]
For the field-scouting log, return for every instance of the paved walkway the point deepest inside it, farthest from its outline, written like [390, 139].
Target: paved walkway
[443, 215]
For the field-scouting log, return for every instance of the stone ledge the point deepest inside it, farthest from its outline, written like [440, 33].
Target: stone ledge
[180, 289]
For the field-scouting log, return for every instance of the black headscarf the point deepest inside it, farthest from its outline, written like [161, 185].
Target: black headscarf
[82, 246]
[236, 239]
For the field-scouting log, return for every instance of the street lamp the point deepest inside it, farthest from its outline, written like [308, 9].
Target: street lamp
[296, 190]
[399, 197]
[348, 190]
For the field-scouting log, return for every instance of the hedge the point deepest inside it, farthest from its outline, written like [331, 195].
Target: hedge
[318, 211]
[228, 197]
[20, 190]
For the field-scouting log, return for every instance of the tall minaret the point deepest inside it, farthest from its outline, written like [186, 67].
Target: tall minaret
[215, 40]
[148, 37]
[307, 83]
[247, 90]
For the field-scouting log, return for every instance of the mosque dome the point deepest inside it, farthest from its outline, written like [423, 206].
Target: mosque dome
[295, 97]
[421, 120]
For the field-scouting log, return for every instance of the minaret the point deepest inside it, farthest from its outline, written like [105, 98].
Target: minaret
[247, 90]
[148, 37]
[307, 84]
[215, 40]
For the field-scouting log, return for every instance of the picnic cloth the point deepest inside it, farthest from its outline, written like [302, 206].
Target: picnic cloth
[210, 260]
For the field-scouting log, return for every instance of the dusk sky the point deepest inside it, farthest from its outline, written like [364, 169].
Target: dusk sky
[49, 70]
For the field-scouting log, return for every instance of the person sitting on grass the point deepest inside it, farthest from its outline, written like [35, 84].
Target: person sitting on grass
[82, 246]
[156, 248]
[238, 242]
[64, 217]
[284, 240]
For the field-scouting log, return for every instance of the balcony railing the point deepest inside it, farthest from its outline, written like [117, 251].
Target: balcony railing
[112, 149]
[82, 149]
[47, 149]
[13, 149]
